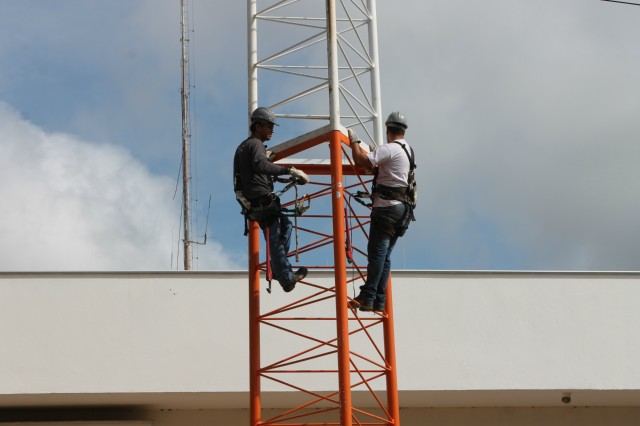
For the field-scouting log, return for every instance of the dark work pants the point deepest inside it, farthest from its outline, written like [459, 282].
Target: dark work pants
[279, 241]
[382, 239]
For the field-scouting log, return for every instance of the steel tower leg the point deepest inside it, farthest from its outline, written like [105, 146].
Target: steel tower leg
[255, 405]
[340, 273]
[390, 355]
[375, 74]
[254, 324]
[252, 56]
[337, 203]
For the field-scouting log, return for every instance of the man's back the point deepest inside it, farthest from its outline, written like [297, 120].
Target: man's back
[393, 168]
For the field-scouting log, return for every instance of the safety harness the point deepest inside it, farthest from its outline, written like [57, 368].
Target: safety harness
[264, 209]
[397, 193]
[405, 194]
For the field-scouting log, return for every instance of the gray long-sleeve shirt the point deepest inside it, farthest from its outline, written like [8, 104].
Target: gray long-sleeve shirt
[253, 170]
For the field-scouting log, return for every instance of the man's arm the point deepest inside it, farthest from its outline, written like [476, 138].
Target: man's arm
[262, 164]
[359, 157]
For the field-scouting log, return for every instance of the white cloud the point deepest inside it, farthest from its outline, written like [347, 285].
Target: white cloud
[72, 205]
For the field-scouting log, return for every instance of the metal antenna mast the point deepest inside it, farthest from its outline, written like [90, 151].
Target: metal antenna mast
[186, 136]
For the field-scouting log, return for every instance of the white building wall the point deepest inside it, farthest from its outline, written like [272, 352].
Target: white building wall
[179, 341]
[491, 331]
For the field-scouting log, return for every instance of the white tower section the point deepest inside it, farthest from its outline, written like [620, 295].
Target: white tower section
[293, 69]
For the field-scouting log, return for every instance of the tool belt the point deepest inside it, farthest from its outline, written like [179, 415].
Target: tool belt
[268, 208]
[397, 193]
[263, 202]
[264, 209]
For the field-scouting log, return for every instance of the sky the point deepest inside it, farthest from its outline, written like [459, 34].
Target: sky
[523, 115]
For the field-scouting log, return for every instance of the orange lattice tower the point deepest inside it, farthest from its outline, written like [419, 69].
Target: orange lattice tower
[320, 361]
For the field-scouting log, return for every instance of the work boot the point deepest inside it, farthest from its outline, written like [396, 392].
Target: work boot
[378, 307]
[287, 288]
[298, 275]
[301, 273]
[364, 305]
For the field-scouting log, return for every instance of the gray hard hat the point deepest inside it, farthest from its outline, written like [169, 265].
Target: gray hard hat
[263, 114]
[397, 119]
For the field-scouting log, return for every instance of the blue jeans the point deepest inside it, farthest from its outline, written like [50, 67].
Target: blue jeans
[382, 238]
[279, 240]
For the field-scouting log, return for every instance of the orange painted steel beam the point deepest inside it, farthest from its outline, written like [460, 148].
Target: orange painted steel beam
[254, 324]
[340, 273]
[303, 146]
[390, 355]
[323, 169]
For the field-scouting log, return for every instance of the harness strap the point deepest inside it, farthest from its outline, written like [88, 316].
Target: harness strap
[412, 158]
[398, 193]
[391, 192]
[360, 195]
[268, 262]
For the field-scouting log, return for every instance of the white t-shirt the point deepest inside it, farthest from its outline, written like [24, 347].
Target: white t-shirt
[393, 168]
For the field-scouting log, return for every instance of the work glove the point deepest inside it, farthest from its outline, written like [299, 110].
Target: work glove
[299, 176]
[353, 136]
